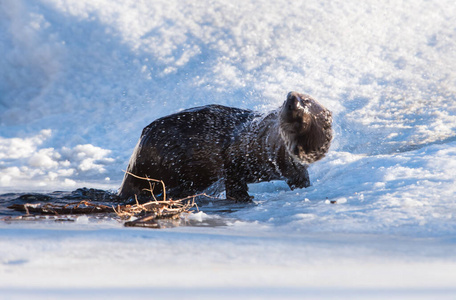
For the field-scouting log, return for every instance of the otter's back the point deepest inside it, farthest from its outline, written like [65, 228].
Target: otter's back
[182, 149]
[208, 121]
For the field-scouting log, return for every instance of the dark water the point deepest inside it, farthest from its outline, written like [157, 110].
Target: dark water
[220, 210]
[57, 198]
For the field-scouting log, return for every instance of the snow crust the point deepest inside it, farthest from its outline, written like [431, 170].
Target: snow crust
[25, 164]
[80, 79]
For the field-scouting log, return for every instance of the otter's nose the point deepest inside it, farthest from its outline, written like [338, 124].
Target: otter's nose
[293, 102]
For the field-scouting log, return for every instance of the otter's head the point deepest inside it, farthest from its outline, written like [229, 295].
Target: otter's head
[305, 127]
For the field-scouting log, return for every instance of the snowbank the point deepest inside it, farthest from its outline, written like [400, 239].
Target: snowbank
[26, 166]
[247, 262]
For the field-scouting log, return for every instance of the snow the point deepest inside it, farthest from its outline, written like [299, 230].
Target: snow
[80, 79]
[241, 260]
[201, 261]
[44, 168]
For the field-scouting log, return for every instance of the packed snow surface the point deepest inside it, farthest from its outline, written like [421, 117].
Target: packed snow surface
[80, 79]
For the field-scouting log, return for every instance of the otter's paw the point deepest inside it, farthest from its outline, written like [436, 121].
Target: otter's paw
[239, 197]
[299, 183]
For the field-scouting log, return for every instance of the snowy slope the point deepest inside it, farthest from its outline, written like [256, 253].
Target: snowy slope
[95, 73]
[80, 79]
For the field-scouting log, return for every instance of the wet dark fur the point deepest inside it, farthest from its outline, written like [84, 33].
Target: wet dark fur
[195, 148]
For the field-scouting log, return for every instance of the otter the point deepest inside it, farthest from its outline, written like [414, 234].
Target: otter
[193, 149]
